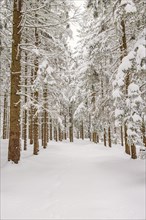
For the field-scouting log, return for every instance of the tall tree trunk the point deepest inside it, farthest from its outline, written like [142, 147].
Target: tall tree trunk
[31, 123]
[36, 121]
[25, 101]
[5, 117]
[104, 137]
[109, 137]
[14, 136]
[123, 48]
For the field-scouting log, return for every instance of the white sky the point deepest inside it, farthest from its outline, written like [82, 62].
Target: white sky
[75, 26]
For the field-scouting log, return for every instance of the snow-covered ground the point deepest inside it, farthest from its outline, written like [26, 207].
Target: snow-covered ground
[78, 180]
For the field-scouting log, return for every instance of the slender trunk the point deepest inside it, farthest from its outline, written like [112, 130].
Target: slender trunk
[31, 114]
[60, 134]
[122, 141]
[97, 138]
[82, 131]
[5, 118]
[45, 118]
[104, 137]
[89, 128]
[123, 48]
[55, 134]
[14, 135]
[109, 137]
[36, 121]
[115, 135]
[51, 130]
[25, 101]
[65, 135]
[42, 129]
[45, 129]
[71, 124]
[127, 147]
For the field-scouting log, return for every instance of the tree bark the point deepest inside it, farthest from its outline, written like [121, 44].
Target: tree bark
[122, 141]
[104, 137]
[31, 123]
[82, 131]
[123, 48]
[127, 147]
[71, 124]
[65, 135]
[36, 125]
[14, 135]
[133, 152]
[109, 137]
[25, 101]
[51, 136]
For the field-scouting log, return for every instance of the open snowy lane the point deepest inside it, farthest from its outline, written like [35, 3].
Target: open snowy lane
[78, 180]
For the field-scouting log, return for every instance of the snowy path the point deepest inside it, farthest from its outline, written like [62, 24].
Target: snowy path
[77, 180]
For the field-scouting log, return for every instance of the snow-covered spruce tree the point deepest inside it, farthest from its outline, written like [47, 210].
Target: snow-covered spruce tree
[133, 105]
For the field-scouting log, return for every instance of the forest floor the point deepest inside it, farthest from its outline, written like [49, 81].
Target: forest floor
[79, 180]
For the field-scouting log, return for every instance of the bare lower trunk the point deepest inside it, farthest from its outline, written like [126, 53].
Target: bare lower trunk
[65, 135]
[55, 134]
[109, 137]
[97, 138]
[104, 137]
[94, 135]
[71, 124]
[82, 131]
[25, 130]
[127, 147]
[122, 141]
[31, 125]
[51, 136]
[133, 152]
[60, 134]
[36, 135]
[5, 117]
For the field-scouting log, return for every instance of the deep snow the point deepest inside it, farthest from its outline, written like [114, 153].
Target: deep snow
[78, 180]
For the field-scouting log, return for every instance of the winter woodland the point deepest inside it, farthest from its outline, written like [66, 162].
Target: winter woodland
[73, 76]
